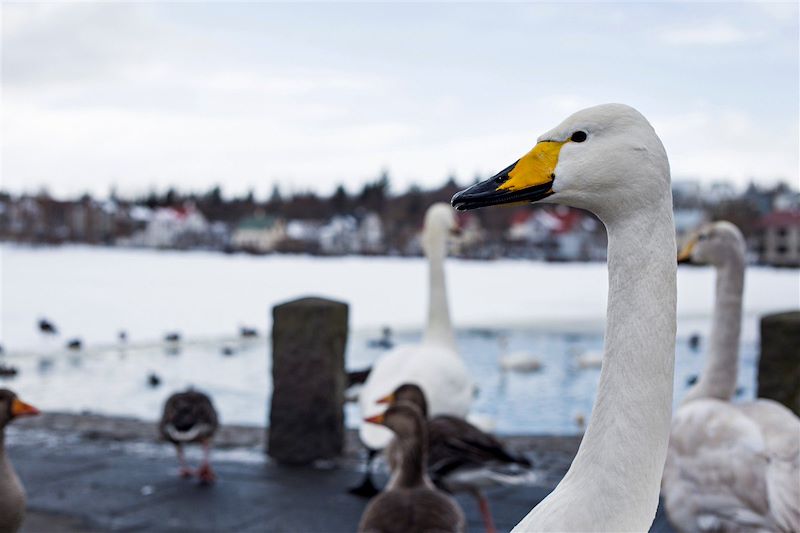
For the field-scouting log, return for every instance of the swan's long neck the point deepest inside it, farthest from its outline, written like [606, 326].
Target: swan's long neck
[718, 379]
[614, 480]
[439, 329]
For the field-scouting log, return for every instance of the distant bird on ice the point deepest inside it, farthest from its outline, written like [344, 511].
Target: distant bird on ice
[74, 344]
[189, 417]
[385, 342]
[520, 361]
[47, 327]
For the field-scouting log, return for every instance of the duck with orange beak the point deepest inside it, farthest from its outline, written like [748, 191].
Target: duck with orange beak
[12, 494]
[410, 501]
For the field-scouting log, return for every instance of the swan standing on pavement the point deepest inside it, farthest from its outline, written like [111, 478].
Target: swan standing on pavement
[608, 160]
[730, 467]
[434, 364]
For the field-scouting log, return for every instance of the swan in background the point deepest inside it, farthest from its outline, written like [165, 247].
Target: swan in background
[588, 358]
[730, 467]
[434, 364]
[608, 160]
[517, 361]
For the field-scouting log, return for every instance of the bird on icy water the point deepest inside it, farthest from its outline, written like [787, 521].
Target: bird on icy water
[608, 160]
[190, 417]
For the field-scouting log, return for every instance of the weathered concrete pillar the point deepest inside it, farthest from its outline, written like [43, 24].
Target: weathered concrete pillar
[779, 363]
[306, 419]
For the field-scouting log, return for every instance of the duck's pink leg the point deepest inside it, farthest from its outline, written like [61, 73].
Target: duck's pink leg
[184, 471]
[206, 473]
[483, 503]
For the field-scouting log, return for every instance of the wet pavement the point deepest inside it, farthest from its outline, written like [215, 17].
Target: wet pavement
[80, 483]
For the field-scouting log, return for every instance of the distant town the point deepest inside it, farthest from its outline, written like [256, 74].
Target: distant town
[375, 221]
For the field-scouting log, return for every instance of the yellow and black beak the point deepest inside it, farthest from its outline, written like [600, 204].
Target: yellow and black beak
[388, 399]
[20, 408]
[377, 419]
[685, 254]
[528, 180]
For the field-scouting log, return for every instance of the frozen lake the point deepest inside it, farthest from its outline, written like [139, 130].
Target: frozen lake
[93, 293]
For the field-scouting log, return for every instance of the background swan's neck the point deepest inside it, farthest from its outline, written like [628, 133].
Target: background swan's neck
[439, 329]
[614, 481]
[718, 379]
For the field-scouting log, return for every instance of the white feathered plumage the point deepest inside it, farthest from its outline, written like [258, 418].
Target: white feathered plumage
[730, 467]
[434, 364]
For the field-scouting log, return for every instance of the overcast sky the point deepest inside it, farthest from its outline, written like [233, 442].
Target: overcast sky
[246, 95]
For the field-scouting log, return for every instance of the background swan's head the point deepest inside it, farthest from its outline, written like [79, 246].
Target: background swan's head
[440, 224]
[718, 243]
[606, 159]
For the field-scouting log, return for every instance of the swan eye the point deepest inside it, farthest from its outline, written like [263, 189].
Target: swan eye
[578, 137]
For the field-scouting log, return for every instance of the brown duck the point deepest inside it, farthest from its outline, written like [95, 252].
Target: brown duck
[12, 495]
[461, 457]
[410, 502]
[190, 417]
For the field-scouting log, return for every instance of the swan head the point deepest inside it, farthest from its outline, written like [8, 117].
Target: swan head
[403, 418]
[718, 243]
[440, 225]
[606, 159]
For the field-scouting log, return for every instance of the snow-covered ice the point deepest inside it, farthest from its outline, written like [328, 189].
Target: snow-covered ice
[549, 309]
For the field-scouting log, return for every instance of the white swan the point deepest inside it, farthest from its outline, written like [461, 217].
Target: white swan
[609, 160]
[434, 364]
[589, 358]
[730, 467]
[517, 361]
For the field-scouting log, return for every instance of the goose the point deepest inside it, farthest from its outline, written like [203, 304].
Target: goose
[730, 467]
[608, 160]
[12, 494]
[410, 502]
[461, 457]
[434, 364]
[190, 417]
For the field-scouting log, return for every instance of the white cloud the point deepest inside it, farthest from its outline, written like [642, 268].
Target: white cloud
[715, 33]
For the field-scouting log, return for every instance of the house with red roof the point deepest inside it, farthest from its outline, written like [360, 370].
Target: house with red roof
[778, 240]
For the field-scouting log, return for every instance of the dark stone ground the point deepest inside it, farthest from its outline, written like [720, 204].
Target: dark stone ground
[89, 473]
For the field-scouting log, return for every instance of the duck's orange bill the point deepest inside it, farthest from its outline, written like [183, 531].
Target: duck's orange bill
[20, 408]
[388, 399]
[377, 419]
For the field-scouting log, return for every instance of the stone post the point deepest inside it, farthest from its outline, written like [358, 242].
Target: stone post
[306, 419]
[779, 363]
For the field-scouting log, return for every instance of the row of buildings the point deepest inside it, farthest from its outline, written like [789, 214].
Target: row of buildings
[553, 233]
